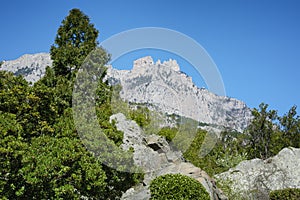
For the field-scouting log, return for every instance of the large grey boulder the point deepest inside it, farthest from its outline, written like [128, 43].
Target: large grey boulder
[154, 155]
[258, 177]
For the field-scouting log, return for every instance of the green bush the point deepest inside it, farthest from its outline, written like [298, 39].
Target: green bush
[177, 186]
[168, 132]
[285, 194]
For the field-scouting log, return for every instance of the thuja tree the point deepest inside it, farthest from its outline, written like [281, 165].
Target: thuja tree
[75, 39]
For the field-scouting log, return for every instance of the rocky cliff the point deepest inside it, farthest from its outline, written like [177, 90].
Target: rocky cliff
[165, 88]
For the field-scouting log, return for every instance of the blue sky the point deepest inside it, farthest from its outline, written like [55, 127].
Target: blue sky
[255, 44]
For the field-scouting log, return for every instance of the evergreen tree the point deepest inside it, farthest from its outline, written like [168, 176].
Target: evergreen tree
[261, 131]
[75, 39]
[290, 125]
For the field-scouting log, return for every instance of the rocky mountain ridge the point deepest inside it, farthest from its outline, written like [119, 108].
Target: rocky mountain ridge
[165, 88]
[31, 66]
[160, 85]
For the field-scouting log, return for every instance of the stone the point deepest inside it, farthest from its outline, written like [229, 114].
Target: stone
[262, 176]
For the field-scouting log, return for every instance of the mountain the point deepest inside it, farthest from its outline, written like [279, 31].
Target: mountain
[31, 66]
[163, 87]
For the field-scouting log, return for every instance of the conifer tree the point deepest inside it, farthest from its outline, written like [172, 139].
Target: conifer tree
[75, 39]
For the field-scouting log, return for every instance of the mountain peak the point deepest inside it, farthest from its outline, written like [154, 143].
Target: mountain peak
[172, 64]
[147, 61]
[144, 61]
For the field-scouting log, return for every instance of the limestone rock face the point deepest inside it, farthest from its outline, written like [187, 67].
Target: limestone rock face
[261, 176]
[168, 90]
[31, 66]
[154, 155]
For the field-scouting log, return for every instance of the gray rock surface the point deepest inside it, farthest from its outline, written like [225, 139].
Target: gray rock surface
[154, 155]
[31, 66]
[261, 176]
[167, 89]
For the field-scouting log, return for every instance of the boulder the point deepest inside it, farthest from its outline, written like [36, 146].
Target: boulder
[258, 177]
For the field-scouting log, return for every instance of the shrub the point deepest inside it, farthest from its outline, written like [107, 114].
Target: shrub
[177, 186]
[285, 194]
[168, 133]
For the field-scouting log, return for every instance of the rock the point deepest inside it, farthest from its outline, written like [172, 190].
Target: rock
[158, 144]
[154, 155]
[262, 176]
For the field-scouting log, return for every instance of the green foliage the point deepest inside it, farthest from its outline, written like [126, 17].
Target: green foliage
[12, 147]
[41, 153]
[13, 92]
[75, 39]
[290, 126]
[268, 134]
[141, 115]
[168, 133]
[260, 132]
[177, 186]
[215, 155]
[61, 168]
[187, 131]
[285, 194]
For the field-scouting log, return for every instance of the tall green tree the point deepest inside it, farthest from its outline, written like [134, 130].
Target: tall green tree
[75, 39]
[290, 125]
[261, 131]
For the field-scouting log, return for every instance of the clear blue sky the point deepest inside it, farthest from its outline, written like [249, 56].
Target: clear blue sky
[255, 44]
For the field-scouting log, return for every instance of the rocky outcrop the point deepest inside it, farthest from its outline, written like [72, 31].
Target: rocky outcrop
[165, 88]
[31, 66]
[154, 155]
[258, 177]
